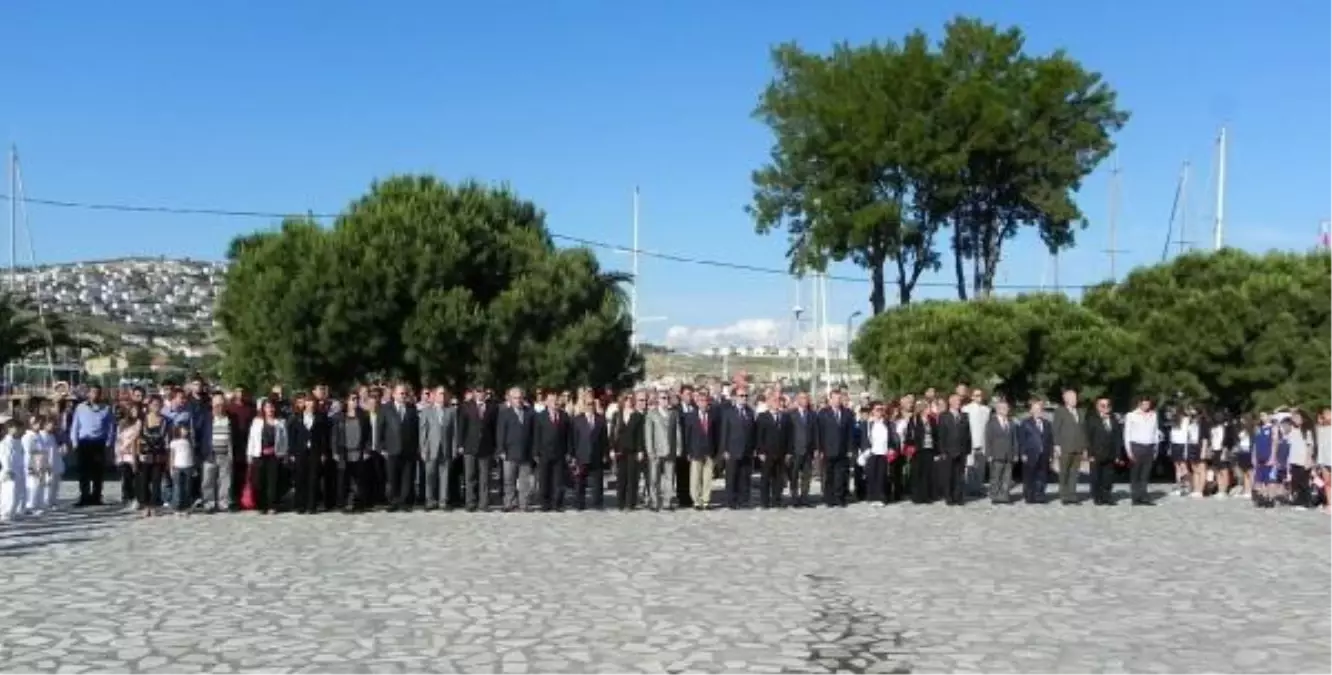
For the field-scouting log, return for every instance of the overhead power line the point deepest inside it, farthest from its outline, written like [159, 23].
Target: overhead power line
[582, 241]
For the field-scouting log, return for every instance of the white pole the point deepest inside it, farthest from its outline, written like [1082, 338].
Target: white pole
[1114, 214]
[1183, 206]
[823, 328]
[1218, 230]
[13, 218]
[633, 290]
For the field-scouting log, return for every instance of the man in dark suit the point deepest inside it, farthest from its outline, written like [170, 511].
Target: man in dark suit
[402, 448]
[591, 444]
[551, 445]
[1104, 439]
[802, 435]
[773, 446]
[476, 429]
[1070, 445]
[1036, 440]
[836, 431]
[701, 430]
[513, 442]
[1001, 447]
[737, 444]
[954, 433]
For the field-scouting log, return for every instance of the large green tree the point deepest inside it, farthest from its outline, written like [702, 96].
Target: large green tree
[1230, 329]
[26, 331]
[879, 147]
[424, 280]
[1021, 347]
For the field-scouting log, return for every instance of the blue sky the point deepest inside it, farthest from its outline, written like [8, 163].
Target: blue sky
[296, 105]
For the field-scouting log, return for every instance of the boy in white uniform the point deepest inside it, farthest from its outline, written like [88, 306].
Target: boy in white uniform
[13, 473]
[40, 454]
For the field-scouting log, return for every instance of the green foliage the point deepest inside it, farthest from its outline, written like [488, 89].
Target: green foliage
[1230, 330]
[1027, 346]
[423, 280]
[27, 331]
[878, 148]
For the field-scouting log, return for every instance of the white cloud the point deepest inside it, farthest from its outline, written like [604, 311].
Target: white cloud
[750, 333]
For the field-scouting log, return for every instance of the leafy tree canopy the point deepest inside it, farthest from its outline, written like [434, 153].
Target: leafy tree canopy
[1230, 330]
[419, 279]
[878, 148]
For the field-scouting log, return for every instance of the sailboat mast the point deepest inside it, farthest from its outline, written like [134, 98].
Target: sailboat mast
[1218, 229]
[13, 218]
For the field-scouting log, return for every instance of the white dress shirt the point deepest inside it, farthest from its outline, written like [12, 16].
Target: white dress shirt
[1141, 428]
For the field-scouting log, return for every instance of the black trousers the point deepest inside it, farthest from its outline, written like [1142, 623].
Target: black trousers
[550, 478]
[626, 481]
[148, 480]
[836, 473]
[1299, 485]
[682, 496]
[896, 483]
[328, 484]
[375, 470]
[1035, 476]
[950, 478]
[876, 478]
[1102, 478]
[240, 465]
[1140, 471]
[737, 482]
[589, 477]
[401, 479]
[91, 458]
[128, 488]
[265, 483]
[922, 477]
[305, 482]
[772, 478]
[350, 490]
[476, 478]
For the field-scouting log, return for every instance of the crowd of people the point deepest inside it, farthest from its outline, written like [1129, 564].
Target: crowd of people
[194, 449]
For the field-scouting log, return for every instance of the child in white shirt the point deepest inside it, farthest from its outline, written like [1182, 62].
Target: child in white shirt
[13, 472]
[182, 468]
[43, 458]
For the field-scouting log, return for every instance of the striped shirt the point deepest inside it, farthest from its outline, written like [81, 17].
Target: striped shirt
[221, 435]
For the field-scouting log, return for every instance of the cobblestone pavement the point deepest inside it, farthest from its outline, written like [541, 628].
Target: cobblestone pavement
[1186, 586]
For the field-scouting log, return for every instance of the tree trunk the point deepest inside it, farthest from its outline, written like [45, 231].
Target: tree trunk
[989, 253]
[958, 268]
[877, 294]
[904, 285]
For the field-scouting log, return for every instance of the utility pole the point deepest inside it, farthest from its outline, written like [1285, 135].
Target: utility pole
[1183, 207]
[13, 218]
[633, 290]
[1218, 228]
[1113, 219]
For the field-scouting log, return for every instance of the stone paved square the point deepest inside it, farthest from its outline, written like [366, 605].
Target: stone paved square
[1186, 586]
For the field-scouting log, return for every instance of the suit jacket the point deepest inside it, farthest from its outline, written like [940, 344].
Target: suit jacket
[439, 429]
[1001, 443]
[1103, 443]
[773, 434]
[513, 433]
[402, 432]
[917, 428]
[1036, 442]
[835, 437]
[954, 434]
[1070, 431]
[699, 442]
[802, 432]
[476, 429]
[591, 441]
[312, 441]
[663, 435]
[631, 437]
[552, 437]
[738, 432]
[339, 429]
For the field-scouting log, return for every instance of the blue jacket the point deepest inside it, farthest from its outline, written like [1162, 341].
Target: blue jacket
[1035, 441]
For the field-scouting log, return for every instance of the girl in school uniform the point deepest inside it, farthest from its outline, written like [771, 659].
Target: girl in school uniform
[1323, 451]
[1298, 460]
[1266, 485]
[13, 473]
[1242, 453]
[1219, 447]
[1184, 450]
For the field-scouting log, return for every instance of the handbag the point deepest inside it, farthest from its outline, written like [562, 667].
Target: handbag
[247, 501]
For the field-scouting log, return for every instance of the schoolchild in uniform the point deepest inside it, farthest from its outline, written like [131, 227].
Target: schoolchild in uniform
[39, 448]
[1242, 454]
[13, 473]
[1185, 449]
[1266, 485]
[1220, 445]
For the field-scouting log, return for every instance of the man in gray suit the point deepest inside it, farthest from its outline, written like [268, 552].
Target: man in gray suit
[663, 441]
[1001, 447]
[439, 425]
[1070, 445]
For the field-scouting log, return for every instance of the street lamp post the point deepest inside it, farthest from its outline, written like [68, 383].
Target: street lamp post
[849, 321]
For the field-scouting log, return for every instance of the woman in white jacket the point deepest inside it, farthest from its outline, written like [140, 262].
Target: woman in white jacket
[43, 464]
[266, 447]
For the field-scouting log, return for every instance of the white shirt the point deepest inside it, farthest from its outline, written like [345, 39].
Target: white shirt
[879, 437]
[978, 415]
[182, 455]
[12, 466]
[1299, 448]
[1184, 434]
[1140, 429]
[1218, 438]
